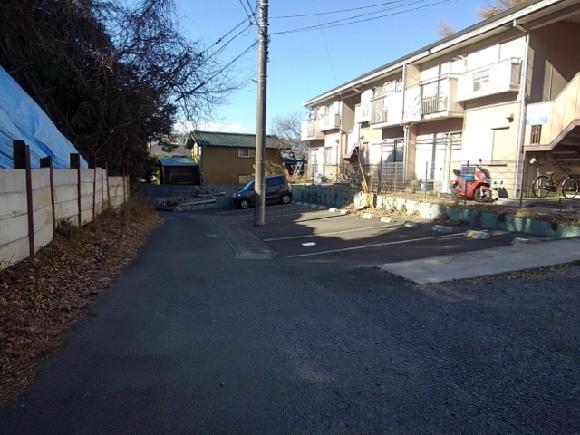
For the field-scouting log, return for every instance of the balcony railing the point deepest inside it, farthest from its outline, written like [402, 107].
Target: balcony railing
[330, 121]
[379, 111]
[434, 104]
[496, 78]
[387, 109]
[433, 99]
[311, 130]
[362, 113]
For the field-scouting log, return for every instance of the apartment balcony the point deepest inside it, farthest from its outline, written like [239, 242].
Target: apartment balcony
[432, 100]
[493, 79]
[434, 104]
[362, 113]
[387, 110]
[330, 122]
[556, 122]
[311, 130]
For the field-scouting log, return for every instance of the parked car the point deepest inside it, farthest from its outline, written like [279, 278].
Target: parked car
[277, 191]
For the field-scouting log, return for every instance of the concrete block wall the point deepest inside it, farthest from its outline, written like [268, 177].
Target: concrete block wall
[42, 202]
[116, 190]
[65, 195]
[168, 191]
[14, 240]
[13, 216]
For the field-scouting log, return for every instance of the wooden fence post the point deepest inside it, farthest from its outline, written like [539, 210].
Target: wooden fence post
[127, 182]
[93, 166]
[22, 161]
[124, 183]
[47, 163]
[75, 163]
[108, 186]
[102, 190]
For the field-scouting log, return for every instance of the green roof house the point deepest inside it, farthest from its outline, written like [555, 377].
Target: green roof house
[228, 158]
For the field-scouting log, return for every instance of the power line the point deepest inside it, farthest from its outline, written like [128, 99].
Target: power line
[323, 37]
[342, 20]
[253, 10]
[229, 41]
[229, 32]
[339, 11]
[247, 9]
[220, 71]
[347, 21]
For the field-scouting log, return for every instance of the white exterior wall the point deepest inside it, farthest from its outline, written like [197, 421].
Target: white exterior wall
[14, 244]
[496, 53]
[488, 134]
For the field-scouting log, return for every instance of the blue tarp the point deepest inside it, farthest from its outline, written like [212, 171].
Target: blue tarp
[21, 118]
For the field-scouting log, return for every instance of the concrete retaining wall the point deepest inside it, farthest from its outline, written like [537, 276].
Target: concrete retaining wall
[167, 191]
[14, 241]
[334, 196]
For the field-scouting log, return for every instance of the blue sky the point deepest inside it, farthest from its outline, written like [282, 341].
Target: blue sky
[303, 65]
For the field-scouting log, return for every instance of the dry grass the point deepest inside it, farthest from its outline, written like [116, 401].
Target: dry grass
[41, 297]
[387, 212]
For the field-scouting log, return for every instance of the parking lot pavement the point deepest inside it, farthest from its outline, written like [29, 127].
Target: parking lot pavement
[191, 340]
[357, 241]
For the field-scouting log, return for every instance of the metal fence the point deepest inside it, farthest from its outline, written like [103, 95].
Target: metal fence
[511, 183]
[554, 182]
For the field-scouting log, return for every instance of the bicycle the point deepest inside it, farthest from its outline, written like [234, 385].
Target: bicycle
[543, 184]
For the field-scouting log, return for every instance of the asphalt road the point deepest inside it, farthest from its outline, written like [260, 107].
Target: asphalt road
[193, 340]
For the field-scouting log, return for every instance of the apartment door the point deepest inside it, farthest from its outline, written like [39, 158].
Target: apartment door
[316, 162]
[430, 157]
[478, 137]
[392, 157]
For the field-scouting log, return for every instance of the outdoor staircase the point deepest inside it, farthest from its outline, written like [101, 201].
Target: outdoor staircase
[561, 124]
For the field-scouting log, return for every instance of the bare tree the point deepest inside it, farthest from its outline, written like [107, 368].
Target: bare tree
[111, 74]
[287, 128]
[444, 28]
[491, 9]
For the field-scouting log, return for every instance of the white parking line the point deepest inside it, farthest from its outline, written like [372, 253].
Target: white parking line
[375, 245]
[352, 230]
[277, 215]
[243, 212]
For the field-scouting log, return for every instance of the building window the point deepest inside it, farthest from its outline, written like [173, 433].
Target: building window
[536, 134]
[246, 153]
[398, 151]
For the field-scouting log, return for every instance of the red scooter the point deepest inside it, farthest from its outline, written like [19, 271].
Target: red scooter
[473, 183]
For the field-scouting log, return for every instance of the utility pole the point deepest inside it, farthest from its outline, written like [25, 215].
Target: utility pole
[260, 182]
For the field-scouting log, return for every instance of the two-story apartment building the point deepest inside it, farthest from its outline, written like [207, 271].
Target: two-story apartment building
[497, 92]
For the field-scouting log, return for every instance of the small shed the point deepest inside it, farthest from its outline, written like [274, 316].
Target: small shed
[179, 171]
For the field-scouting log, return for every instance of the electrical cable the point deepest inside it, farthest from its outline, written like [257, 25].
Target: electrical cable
[342, 22]
[339, 11]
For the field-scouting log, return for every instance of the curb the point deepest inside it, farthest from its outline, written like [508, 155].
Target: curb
[335, 197]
